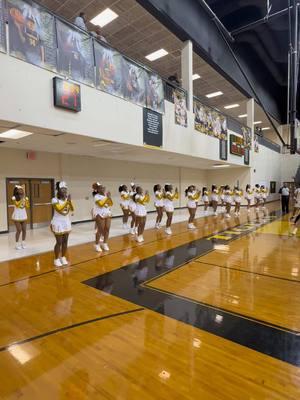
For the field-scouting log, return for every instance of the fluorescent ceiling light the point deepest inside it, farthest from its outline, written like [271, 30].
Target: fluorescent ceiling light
[196, 76]
[257, 122]
[231, 106]
[267, 128]
[104, 18]
[243, 115]
[157, 54]
[215, 94]
[14, 134]
[221, 166]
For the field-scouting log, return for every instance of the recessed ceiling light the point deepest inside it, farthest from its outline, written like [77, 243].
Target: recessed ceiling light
[215, 94]
[257, 122]
[157, 54]
[231, 106]
[243, 115]
[104, 18]
[196, 76]
[267, 128]
[14, 134]
[221, 166]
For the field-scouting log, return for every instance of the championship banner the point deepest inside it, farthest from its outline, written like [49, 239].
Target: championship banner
[134, 83]
[155, 93]
[247, 137]
[209, 121]
[180, 108]
[108, 70]
[2, 28]
[32, 35]
[75, 54]
[237, 145]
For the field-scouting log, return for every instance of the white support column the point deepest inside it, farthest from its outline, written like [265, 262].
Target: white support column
[187, 71]
[250, 117]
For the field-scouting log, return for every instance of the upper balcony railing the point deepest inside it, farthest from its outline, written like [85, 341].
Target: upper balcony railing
[36, 35]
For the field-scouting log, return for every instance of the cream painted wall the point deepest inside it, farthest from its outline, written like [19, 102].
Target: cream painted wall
[81, 172]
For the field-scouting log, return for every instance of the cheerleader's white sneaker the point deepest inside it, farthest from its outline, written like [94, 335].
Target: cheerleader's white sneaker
[18, 246]
[168, 231]
[105, 247]
[64, 261]
[191, 226]
[140, 239]
[132, 231]
[98, 248]
[57, 263]
[227, 216]
[23, 244]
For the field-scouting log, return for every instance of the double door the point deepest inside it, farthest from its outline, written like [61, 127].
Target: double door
[40, 193]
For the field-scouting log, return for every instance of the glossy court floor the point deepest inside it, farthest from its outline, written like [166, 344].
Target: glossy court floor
[205, 314]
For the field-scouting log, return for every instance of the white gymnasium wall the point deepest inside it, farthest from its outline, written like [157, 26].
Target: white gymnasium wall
[81, 172]
[267, 166]
[289, 166]
[103, 116]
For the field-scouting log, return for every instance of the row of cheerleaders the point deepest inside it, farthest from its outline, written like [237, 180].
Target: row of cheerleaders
[133, 201]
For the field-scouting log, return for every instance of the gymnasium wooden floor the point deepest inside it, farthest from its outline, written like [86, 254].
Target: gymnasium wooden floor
[205, 314]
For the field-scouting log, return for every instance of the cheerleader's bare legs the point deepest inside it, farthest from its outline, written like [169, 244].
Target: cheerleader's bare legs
[206, 204]
[125, 216]
[20, 228]
[133, 224]
[237, 207]
[169, 222]
[248, 205]
[214, 205]
[228, 208]
[106, 229]
[140, 223]
[160, 213]
[192, 212]
[100, 232]
[61, 245]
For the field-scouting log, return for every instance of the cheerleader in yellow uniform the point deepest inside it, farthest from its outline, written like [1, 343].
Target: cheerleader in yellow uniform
[205, 199]
[193, 196]
[238, 193]
[264, 195]
[132, 207]
[169, 197]
[124, 203]
[141, 200]
[248, 197]
[257, 196]
[159, 204]
[228, 200]
[214, 197]
[61, 223]
[19, 216]
[103, 204]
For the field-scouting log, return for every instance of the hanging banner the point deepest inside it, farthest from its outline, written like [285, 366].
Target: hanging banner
[134, 83]
[155, 93]
[2, 28]
[180, 108]
[75, 54]
[152, 128]
[247, 137]
[256, 144]
[108, 70]
[32, 36]
[210, 122]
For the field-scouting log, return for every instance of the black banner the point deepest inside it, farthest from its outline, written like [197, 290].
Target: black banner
[153, 131]
[32, 35]
[223, 149]
[247, 156]
[2, 28]
[109, 70]
[75, 54]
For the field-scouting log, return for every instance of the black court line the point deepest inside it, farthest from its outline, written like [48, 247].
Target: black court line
[130, 283]
[247, 271]
[98, 257]
[65, 328]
